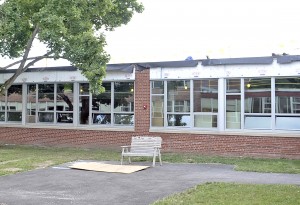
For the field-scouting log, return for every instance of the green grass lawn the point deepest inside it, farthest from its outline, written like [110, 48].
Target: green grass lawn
[23, 158]
[236, 194]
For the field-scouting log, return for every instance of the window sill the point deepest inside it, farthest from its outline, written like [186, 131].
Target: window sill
[71, 127]
[254, 133]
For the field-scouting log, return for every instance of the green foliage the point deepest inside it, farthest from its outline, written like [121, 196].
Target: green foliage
[71, 29]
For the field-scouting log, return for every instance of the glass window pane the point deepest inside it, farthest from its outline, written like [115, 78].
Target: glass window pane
[157, 87]
[14, 116]
[84, 89]
[14, 98]
[179, 120]
[64, 117]
[287, 95]
[233, 85]
[101, 118]
[206, 121]
[233, 111]
[64, 98]
[257, 95]
[288, 123]
[157, 111]
[206, 95]
[46, 97]
[2, 116]
[102, 102]
[257, 122]
[178, 95]
[124, 119]
[84, 109]
[31, 103]
[123, 97]
[123, 87]
[46, 117]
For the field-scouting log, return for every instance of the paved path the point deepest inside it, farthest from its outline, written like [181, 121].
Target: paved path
[60, 185]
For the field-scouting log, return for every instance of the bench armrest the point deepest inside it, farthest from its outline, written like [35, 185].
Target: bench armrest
[125, 148]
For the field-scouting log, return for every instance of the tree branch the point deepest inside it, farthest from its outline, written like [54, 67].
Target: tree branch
[38, 58]
[19, 61]
[10, 81]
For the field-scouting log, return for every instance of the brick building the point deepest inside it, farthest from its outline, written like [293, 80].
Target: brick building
[229, 107]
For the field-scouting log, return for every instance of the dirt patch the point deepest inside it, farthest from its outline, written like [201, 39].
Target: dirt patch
[44, 164]
[9, 161]
[12, 169]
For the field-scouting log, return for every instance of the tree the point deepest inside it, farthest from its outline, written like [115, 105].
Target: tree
[71, 29]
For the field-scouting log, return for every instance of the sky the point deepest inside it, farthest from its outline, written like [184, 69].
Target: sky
[175, 29]
[170, 30]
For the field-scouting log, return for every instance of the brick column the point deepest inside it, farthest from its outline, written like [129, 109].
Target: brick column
[142, 98]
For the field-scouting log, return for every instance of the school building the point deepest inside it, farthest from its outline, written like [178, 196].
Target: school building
[229, 107]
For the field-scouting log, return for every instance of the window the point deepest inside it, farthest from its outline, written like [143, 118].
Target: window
[206, 103]
[84, 103]
[113, 107]
[157, 103]
[178, 103]
[233, 104]
[46, 103]
[101, 106]
[258, 104]
[11, 105]
[123, 103]
[287, 103]
[50, 103]
[64, 103]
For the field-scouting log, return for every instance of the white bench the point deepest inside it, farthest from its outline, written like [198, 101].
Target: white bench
[143, 146]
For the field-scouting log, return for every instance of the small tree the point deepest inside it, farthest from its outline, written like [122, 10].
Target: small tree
[71, 29]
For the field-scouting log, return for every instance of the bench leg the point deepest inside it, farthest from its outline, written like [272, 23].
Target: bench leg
[122, 157]
[159, 156]
[154, 159]
[129, 160]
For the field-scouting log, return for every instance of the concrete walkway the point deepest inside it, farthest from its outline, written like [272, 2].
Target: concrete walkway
[61, 185]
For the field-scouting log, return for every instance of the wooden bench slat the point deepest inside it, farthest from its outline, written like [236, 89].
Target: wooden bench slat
[143, 146]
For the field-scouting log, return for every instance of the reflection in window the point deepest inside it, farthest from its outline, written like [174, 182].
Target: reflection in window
[123, 97]
[31, 103]
[84, 103]
[64, 103]
[179, 120]
[46, 117]
[287, 103]
[104, 119]
[101, 106]
[287, 95]
[206, 121]
[14, 103]
[157, 87]
[233, 111]
[157, 114]
[257, 95]
[124, 119]
[178, 95]
[206, 102]
[46, 103]
[64, 117]
[233, 103]
[233, 86]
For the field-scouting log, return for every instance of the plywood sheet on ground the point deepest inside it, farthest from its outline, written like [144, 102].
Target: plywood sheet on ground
[103, 167]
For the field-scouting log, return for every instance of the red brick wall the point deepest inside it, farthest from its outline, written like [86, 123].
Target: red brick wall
[256, 146]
